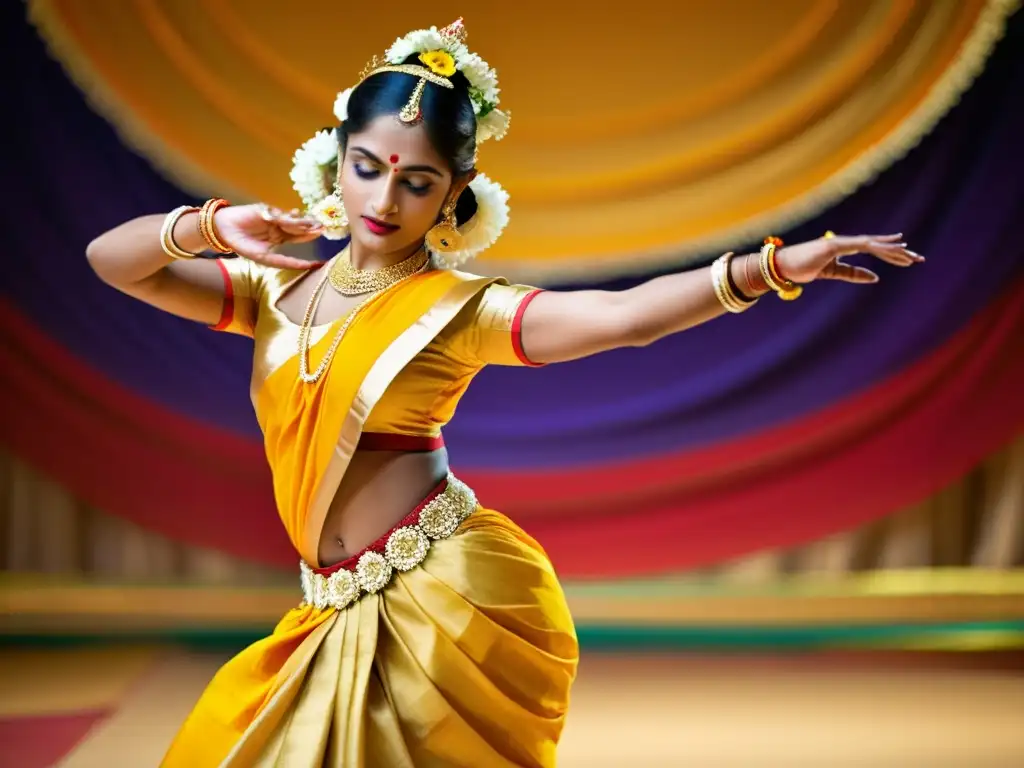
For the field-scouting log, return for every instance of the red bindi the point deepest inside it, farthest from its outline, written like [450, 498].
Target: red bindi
[393, 159]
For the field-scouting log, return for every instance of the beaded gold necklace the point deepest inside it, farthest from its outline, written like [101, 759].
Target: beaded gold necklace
[350, 281]
[378, 286]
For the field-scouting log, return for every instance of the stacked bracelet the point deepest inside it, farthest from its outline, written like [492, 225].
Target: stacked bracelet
[206, 228]
[786, 290]
[727, 296]
[170, 247]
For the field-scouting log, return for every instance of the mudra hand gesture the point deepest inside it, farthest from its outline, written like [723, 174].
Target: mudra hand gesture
[253, 231]
[821, 259]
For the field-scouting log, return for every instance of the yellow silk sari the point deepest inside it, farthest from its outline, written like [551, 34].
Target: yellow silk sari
[465, 660]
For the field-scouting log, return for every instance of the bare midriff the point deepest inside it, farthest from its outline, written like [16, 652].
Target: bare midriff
[378, 490]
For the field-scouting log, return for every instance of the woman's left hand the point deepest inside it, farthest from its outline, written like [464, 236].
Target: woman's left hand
[821, 259]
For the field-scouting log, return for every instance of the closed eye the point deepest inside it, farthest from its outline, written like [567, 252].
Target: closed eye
[417, 190]
[369, 172]
[366, 173]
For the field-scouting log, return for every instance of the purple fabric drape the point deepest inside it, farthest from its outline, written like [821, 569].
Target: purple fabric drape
[959, 198]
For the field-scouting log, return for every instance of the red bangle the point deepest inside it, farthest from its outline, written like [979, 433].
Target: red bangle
[206, 229]
[777, 273]
[774, 265]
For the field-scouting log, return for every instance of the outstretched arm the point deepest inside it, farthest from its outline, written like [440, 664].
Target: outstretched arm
[560, 326]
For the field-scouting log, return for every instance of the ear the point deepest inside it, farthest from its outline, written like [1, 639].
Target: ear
[459, 186]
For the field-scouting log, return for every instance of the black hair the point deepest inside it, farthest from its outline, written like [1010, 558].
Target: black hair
[447, 115]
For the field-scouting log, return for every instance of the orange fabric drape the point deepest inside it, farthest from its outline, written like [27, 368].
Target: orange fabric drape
[639, 136]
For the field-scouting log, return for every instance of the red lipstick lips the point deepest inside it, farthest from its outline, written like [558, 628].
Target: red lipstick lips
[379, 227]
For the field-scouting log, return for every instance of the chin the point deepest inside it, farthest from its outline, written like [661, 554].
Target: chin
[369, 243]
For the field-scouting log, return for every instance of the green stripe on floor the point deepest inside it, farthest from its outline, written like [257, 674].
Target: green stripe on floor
[954, 636]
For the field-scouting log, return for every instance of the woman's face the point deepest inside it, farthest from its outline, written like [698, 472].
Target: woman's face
[394, 185]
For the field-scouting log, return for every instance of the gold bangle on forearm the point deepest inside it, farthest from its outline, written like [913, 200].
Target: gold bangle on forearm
[170, 247]
[723, 289]
[786, 289]
[206, 228]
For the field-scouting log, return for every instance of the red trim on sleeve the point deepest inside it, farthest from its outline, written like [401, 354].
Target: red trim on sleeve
[227, 313]
[517, 329]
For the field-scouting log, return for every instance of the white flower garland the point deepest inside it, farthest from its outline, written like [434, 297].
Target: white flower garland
[341, 105]
[483, 80]
[486, 225]
[493, 125]
[309, 164]
[420, 41]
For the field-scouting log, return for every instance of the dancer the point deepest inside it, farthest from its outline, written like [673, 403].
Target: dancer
[432, 631]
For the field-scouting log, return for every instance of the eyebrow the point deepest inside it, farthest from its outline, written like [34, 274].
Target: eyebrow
[408, 169]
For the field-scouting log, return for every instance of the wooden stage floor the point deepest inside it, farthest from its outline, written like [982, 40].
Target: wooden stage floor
[115, 707]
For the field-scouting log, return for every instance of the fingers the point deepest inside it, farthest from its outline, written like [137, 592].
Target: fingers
[292, 223]
[848, 273]
[866, 238]
[296, 226]
[894, 253]
[888, 248]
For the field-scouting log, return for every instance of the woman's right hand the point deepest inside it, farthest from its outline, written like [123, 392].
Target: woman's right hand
[253, 231]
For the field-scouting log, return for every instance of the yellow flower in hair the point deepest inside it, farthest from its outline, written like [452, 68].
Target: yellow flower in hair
[439, 62]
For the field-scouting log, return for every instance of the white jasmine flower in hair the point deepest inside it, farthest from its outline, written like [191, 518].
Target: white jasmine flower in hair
[418, 41]
[341, 105]
[493, 125]
[308, 164]
[481, 77]
[331, 213]
[485, 226]
[322, 148]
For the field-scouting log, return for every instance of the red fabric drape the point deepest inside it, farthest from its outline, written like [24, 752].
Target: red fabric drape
[889, 447]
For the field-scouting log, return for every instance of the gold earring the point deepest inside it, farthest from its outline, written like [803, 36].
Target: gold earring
[445, 237]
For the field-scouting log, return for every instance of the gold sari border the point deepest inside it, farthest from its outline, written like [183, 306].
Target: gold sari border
[385, 369]
[289, 684]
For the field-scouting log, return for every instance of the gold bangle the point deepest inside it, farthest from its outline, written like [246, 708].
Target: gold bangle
[785, 289]
[170, 247]
[727, 297]
[206, 228]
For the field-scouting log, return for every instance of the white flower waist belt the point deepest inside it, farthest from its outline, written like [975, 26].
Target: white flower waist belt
[403, 548]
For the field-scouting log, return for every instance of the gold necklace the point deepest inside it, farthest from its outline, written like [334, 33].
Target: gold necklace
[307, 325]
[350, 281]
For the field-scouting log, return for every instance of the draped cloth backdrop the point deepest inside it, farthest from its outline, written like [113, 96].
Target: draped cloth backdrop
[696, 123]
[778, 427]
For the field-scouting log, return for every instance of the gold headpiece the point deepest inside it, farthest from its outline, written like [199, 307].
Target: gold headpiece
[411, 111]
[441, 53]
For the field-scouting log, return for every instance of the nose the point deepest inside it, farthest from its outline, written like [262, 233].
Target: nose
[387, 203]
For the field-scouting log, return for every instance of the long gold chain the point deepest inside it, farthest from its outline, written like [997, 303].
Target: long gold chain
[307, 325]
[350, 281]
